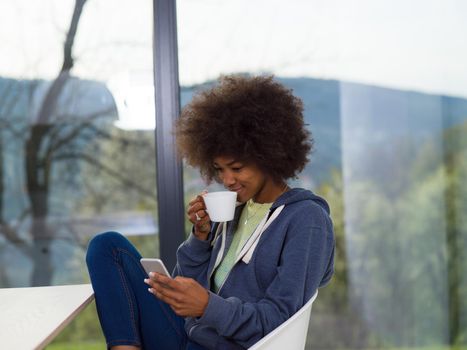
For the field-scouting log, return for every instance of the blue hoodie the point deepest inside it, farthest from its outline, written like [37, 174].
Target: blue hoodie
[292, 258]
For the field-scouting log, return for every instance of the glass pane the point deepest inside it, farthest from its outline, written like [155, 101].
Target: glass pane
[385, 94]
[76, 139]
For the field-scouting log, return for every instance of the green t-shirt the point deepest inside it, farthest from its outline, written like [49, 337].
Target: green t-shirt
[252, 214]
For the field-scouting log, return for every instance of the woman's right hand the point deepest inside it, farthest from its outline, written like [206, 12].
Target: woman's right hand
[199, 217]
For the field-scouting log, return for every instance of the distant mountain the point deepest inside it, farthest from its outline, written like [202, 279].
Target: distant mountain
[339, 114]
[344, 114]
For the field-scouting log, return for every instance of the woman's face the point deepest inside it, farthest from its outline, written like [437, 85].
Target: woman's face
[246, 179]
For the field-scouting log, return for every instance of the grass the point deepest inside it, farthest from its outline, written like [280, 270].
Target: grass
[97, 345]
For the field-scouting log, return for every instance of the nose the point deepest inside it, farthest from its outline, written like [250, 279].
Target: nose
[228, 178]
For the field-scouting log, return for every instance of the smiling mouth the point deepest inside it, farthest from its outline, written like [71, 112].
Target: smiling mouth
[238, 189]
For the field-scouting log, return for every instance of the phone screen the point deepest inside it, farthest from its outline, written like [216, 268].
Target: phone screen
[154, 265]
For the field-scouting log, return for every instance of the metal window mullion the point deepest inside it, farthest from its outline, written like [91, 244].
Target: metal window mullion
[167, 98]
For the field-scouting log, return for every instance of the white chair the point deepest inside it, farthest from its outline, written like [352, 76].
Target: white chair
[291, 334]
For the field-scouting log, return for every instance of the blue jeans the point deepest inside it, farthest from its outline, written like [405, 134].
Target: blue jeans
[128, 313]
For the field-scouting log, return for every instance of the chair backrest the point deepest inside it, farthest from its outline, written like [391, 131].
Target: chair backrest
[291, 334]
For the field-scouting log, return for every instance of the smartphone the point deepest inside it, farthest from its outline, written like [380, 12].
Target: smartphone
[154, 265]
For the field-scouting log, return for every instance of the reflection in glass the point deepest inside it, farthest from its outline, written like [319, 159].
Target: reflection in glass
[73, 163]
[385, 103]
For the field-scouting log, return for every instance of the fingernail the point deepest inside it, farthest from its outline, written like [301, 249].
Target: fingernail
[151, 274]
[150, 290]
[146, 280]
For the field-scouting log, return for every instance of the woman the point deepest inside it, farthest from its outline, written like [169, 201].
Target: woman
[234, 282]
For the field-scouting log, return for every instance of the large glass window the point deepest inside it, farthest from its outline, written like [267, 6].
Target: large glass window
[77, 141]
[385, 93]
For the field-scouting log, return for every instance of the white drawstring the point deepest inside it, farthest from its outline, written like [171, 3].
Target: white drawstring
[223, 239]
[249, 248]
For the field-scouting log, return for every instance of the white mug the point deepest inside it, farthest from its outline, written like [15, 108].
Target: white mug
[220, 205]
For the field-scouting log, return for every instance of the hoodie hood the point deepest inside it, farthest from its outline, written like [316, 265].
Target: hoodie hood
[298, 195]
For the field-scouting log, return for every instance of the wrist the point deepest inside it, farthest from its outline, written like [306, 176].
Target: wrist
[201, 236]
[206, 302]
[202, 232]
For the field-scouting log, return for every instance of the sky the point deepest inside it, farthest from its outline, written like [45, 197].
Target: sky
[416, 44]
[410, 45]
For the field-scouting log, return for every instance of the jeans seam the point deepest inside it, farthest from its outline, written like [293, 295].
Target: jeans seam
[127, 294]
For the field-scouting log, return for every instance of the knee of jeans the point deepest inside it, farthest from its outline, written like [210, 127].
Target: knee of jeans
[102, 244]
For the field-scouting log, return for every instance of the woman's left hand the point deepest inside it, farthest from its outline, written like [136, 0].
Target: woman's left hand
[186, 297]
